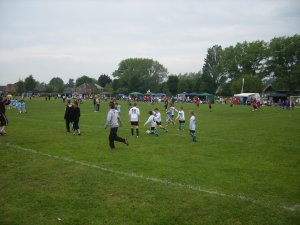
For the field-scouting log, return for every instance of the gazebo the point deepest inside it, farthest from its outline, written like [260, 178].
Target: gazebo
[136, 95]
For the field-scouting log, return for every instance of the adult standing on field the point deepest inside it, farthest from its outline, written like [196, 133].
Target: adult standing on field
[134, 114]
[68, 112]
[75, 115]
[113, 120]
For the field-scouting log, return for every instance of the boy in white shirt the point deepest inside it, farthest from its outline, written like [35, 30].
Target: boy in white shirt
[134, 114]
[181, 118]
[152, 120]
[193, 126]
[157, 115]
[172, 112]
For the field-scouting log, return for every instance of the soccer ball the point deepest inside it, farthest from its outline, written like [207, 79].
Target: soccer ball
[148, 131]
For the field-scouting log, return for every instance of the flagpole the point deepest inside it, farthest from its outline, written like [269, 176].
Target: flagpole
[243, 86]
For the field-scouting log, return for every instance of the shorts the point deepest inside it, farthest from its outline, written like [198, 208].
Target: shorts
[3, 120]
[158, 123]
[134, 123]
[181, 121]
[192, 131]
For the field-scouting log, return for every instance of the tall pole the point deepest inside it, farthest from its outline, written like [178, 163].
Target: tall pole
[243, 86]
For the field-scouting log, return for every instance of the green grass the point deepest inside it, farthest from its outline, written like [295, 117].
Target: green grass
[244, 169]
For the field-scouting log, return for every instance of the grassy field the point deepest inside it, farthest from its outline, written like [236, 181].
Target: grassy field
[244, 169]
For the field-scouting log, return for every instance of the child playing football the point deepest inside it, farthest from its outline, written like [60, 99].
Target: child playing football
[181, 118]
[152, 120]
[193, 126]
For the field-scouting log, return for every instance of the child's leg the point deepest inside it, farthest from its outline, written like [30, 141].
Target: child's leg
[172, 119]
[155, 131]
[194, 138]
[137, 131]
[75, 127]
[132, 131]
[165, 129]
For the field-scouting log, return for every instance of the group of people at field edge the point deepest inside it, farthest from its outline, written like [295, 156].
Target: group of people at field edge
[113, 120]
[20, 105]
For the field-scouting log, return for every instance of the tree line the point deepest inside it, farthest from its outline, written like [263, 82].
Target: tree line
[256, 64]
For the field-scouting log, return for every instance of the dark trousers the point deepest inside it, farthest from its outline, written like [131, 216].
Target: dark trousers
[3, 120]
[68, 124]
[113, 136]
[75, 125]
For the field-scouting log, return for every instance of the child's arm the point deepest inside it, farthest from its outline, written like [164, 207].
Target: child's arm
[177, 115]
[120, 122]
[148, 121]
[108, 120]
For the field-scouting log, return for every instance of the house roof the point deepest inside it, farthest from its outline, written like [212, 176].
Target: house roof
[91, 86]
[268, 88]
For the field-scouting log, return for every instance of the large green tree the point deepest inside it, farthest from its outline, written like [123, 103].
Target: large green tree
[213, 73]
[244, 58]
[284, 62]
[103, 80]
[139, 74]
[172, 84]
[186, 83]
[30, 83]
[20, 87]
[252, 57]
[85, 79]
[70, 83]
[57, 83]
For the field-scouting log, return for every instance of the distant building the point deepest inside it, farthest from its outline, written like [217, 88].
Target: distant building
[8, 89]
[40, 89]
[2, 90]
[89, 89]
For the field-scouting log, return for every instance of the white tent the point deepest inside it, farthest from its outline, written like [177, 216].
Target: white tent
[247, 97]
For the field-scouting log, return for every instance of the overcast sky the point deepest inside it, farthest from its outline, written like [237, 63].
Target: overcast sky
[71, 38]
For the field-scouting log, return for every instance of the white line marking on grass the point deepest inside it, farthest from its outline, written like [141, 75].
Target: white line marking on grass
[153, 179]
[292, 208]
